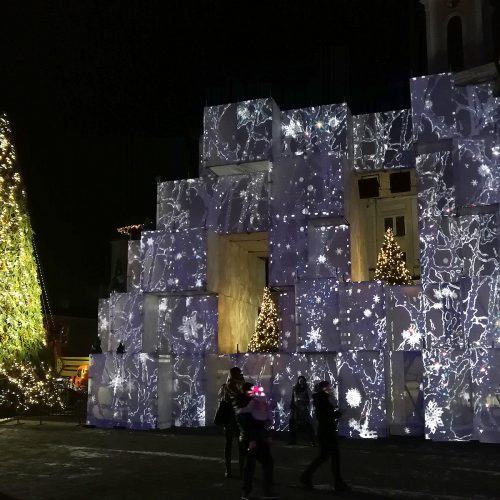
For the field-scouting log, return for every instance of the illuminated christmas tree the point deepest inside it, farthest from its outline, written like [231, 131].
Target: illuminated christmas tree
[28, 387]
[21, 324]
[391, 267]
[266, 336]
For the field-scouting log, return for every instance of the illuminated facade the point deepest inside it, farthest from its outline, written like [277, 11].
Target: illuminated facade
[283, 185]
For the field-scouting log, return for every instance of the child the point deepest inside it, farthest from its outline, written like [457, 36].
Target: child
[255, 417]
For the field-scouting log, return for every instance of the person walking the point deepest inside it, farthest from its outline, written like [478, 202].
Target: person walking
[327, 415]
[227, 393]
[300, 411]
[254, 418]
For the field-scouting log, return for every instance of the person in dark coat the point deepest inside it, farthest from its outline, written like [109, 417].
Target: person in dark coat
[300, 411]
[327, 415]
[254, 418]
[227, 393]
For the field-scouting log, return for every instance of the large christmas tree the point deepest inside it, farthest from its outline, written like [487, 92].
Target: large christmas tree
[391, 267]
[266, 337]
[21, 324]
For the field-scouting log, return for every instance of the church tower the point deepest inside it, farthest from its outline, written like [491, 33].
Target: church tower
[458, 34]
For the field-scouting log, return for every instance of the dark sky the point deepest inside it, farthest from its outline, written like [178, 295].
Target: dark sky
[105, 96]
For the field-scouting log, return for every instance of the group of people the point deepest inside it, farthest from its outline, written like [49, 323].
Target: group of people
[246, 416]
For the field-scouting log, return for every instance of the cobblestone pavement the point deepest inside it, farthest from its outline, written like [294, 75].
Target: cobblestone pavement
[65, 461]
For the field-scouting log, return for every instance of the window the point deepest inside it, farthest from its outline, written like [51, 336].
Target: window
[368, 187]
[455, 44]
[396, 223]
[400, 182]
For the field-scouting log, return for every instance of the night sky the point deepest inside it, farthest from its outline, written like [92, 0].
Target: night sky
[105, 96]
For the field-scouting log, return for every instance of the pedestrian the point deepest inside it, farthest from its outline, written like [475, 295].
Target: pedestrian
[300, 411]
[227, 393]
[255, 417]
[327, 415]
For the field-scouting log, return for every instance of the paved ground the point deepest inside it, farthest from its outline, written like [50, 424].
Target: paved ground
[64, 461]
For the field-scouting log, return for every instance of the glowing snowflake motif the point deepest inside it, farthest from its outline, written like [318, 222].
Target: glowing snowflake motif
[178, 256]
[376, 299]
[333, 122]
[163, 306]
[473, 182]
[339, 251]
[190, 326]
[150, 241]
[484, 171]
[243, 113]
[433, 416]
[314, 336]
[353, 397]
[321, 259]
[407, 430]
[412, 336]
[292, 129]
[367, 313]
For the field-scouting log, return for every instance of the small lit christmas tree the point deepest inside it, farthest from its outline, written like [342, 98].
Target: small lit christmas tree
[266, 336]
[391, 267]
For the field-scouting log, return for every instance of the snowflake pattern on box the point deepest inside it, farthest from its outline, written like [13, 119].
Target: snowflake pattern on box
[479, 249]
[318, 315]
[477, 171]
[435, 185]
[442, 308]
[328, 252]
[433, 107]
[174, 261]
[405, 379]
[486, 389]
[481, 310]
[361, 394]
[309, 186]
[319, 129]
[123, 390]
[134, 267]
[362, 315]
[286, 370]
[447, 394]
[188, 325]
[103, 323]
[240, 204]
[126, 321]
[189, 389]
[477, 110]
[404, 319]
[286, 318]
[239, 132]
[287, 250]
[183, 204]
[440, 244]
[383, 141]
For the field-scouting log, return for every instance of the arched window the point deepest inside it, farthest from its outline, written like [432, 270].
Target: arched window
[455, 44]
